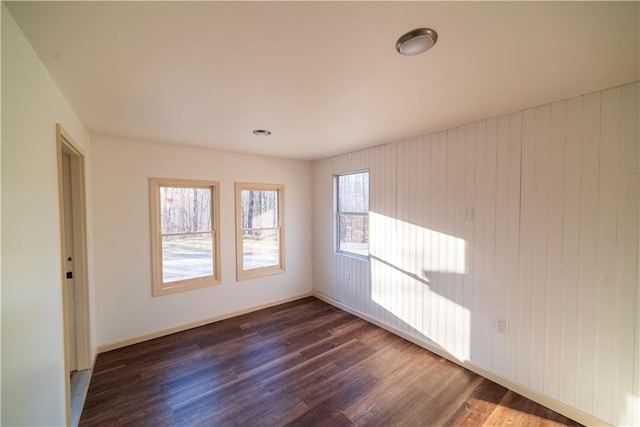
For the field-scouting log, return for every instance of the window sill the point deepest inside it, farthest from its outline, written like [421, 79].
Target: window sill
[182, 286]
[258, 272]
[364, 258]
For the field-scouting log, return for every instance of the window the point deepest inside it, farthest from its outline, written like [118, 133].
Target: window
[185, 241]
[352, 213]
[259, 230]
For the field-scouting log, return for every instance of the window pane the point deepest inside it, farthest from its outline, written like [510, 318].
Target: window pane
[353, 233]
[187, 257]
[353, 192]
[259, 209]
[184, 210]
[259, 248]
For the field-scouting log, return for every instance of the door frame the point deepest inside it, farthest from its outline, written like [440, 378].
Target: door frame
[64, 142]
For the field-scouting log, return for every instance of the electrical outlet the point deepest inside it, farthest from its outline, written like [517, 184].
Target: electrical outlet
[502, 326]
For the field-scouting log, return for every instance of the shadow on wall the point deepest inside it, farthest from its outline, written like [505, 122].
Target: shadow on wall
[424, 288]
[422, 283]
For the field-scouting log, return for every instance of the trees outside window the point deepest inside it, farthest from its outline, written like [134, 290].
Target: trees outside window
[352, 213]
[184, 234]
[259, 230]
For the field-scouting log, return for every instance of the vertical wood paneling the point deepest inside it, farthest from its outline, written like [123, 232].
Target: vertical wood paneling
[468, 235]
[527, 233]
[458, 312]
[438, 283]
[553, 308]
[501, 252]
[627, 257]
[401, 284]
[570, 251]
[435, 208]
[375, 309]
[382, 207]
[405, 237]
[490, 245]
[427, 220]
[411, 227]
[553, 246]
[478, 330]
[447, 254]
[416, 217]
[542, 213]
[608, 190]
[391, 239]
[383, 202]
[370, 306]
[403, 250]
[513, 239]
[586, 386]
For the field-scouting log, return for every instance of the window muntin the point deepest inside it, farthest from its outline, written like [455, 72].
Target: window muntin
[352, 213]
[259, 234]
[185, 238]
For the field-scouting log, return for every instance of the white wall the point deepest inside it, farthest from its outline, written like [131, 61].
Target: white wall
[553, 246]
[125, 308]
[33, 372]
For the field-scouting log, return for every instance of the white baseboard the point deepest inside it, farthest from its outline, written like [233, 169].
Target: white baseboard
[551, 403]
[180, 328]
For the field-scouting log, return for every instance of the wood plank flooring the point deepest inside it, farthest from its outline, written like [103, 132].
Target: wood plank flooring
[304, 363]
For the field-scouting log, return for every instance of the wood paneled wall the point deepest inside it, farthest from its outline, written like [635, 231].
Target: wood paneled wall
[530, 217]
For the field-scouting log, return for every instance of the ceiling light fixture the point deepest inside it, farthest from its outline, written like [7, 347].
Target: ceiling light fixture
[261, 132]
[417, 41]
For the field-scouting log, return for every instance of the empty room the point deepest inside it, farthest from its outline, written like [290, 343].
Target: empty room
[320, 213]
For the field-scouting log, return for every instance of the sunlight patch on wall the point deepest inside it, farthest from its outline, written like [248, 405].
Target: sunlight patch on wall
[417, 275]
[413, 245]
[631, 413]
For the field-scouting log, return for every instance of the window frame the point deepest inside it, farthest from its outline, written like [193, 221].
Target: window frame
[338, 213]
[159, 287]
[241, 273]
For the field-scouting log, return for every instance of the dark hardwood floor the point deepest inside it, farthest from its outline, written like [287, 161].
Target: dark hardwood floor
[303, 363]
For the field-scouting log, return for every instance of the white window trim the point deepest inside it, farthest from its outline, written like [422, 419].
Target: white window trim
[159, 287]
[241, 273]
[337, 213]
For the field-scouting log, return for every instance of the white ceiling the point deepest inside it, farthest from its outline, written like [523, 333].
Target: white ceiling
[324, 77]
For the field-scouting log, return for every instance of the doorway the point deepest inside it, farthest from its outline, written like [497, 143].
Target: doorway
[75, 294]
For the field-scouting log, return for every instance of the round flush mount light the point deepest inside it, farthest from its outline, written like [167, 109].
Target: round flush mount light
[261, 132]
[417, 41]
